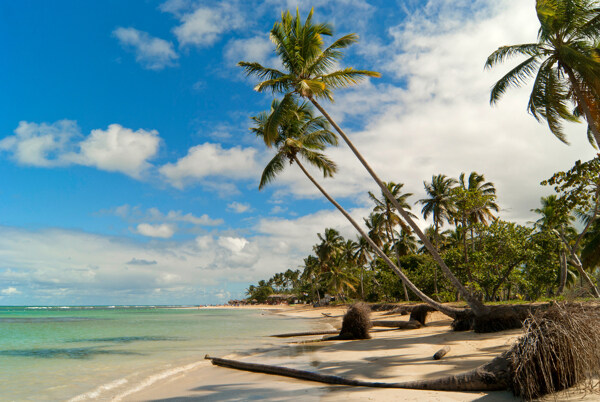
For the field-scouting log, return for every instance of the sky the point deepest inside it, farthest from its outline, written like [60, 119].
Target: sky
[129, 174]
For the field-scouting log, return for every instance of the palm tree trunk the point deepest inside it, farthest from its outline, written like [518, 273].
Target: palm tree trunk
[450, 311]
[582, 102]
[391, 238]
[478, 308]
[563, 272]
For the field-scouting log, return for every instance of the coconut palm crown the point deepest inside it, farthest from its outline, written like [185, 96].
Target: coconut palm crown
[300, 133]
[566, 65]
[308, 65]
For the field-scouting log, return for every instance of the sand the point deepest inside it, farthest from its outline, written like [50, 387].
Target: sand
[391, 356]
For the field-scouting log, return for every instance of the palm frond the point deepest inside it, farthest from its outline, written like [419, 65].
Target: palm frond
[504, 52]
[275, 119]
[319, 160]
[346, 77]
[273, 168]
[281, 85]
[514, 78]
[327, 59]
[260, 71]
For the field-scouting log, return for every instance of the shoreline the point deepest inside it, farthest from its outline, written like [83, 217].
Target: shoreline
[390, 356]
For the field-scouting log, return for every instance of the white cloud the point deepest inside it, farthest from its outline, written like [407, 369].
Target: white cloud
[438, 118]
[258, 48]
[233, 244]
[238, 207]
[207, 160]
[152, 53]
[10, 291]
[204, 25]
[42, 144]
[163, 231]
[117, 149]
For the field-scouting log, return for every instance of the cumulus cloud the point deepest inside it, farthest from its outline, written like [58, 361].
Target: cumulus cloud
[238, 207]
[163, 230]
[59, 266]
[10, 291]
[117, 149]
[258, 48]
[203, 26]
[42, 145]
[152, 53]
[207, 160]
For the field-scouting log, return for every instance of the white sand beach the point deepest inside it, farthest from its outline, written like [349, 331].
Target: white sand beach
[390, 356]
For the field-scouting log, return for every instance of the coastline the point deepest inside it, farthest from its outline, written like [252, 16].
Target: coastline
[389, 356]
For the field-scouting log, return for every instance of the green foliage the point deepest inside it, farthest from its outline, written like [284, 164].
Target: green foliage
[564, 64]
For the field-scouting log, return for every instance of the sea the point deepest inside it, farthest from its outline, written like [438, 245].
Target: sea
[69, 353]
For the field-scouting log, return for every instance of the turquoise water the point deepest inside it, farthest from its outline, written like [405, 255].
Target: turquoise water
[102, 353]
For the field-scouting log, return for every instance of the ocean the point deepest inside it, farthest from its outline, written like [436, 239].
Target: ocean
[108, 352]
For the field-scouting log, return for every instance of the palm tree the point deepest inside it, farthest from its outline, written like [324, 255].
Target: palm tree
[330, 246]
[296, 137]
[566, 64]
[439, 204]
[385, 207]
[486, 195]
[311, 274]
[552, 220]
[308, 74]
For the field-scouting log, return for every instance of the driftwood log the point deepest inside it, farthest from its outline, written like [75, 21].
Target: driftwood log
[441, 353]
[398, 324]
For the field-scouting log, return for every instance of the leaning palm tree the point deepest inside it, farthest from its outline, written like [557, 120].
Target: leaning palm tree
[301, 134]
[566, 63]
[308, 73]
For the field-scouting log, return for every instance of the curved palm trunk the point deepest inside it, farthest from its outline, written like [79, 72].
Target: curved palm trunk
[478, 308]
[450, 311]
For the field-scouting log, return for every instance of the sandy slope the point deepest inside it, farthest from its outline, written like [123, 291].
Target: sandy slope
[390, 356]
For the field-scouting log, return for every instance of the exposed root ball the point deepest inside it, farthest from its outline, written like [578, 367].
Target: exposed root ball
[463, 322]
[499, 319]
[419, 313]
[560, 349]
[356, 322]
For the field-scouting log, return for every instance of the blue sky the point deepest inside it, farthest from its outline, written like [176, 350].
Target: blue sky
[129, 175]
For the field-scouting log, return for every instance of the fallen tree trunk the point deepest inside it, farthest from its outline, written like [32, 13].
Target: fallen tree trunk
[480, 379]
[398, 324]
[309, 333]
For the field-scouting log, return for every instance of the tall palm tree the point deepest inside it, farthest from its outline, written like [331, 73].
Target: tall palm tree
[295, 137]
[309, 74]
[566, 63]
[486, 194]
[439, 202]
[385, 207]
[440, 206]
[552, 220]
[331, 245]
